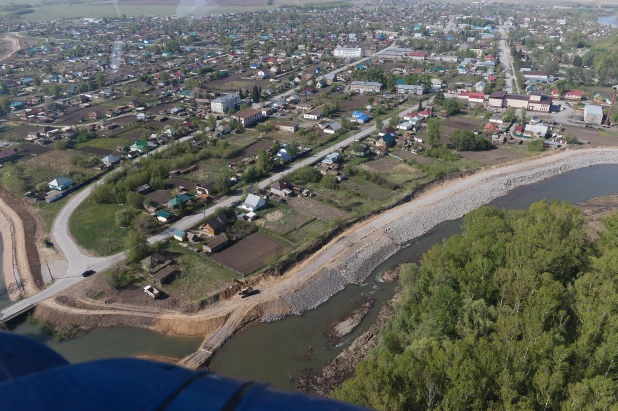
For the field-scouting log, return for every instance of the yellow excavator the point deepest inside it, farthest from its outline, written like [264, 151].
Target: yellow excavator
[245, 290]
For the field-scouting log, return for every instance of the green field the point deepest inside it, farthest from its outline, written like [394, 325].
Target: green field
[49, 211]
[199, 277]
[94, 228]
[109, 10]
[104, 143]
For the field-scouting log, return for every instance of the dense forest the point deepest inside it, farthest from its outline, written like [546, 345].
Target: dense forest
[519, 312]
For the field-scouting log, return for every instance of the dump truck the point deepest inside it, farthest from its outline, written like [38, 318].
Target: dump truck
[152, 292]
[245, 290]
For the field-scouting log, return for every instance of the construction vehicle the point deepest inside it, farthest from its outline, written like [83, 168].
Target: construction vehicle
[245, 290]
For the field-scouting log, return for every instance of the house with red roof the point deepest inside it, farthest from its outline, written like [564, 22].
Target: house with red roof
[574, 95]
[417, 55]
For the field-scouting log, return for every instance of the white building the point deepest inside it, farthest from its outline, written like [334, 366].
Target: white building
[348, 52]
[222, 104]
[593, 114]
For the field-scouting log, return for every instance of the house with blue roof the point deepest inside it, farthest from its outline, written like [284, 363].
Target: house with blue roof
[179, 235]
[16, 105]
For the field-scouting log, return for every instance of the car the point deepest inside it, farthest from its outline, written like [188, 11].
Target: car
[88, 273]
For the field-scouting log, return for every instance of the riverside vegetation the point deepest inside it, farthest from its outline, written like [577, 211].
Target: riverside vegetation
[520, 311]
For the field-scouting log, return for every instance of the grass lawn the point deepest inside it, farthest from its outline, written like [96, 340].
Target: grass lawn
[94, 228]
[49, 211]
[308, 232]
[282, 220]
[199, 277]
[104, 143]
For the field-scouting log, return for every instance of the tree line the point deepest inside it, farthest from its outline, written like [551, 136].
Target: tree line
[520, 311]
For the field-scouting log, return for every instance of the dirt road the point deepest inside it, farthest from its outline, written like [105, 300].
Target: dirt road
[15, 46]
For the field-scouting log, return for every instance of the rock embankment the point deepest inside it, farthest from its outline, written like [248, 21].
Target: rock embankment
[365, 255]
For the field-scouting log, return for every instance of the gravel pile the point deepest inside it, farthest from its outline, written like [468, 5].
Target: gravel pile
[421, 221]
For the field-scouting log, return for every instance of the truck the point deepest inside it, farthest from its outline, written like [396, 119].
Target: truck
[152, 292]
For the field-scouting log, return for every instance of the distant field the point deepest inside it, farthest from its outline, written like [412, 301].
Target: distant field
[136, 8]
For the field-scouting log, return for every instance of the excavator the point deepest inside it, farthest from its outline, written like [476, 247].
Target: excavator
[245, 290]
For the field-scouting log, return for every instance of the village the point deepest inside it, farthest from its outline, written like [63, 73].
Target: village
[166, 119]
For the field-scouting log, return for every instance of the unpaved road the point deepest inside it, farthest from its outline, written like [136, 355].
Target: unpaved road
[14, 48]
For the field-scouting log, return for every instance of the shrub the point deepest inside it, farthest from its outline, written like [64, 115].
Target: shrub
[119, 278]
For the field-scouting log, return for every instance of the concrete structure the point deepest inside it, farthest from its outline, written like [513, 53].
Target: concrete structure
[593, 114]
[535, 101]
[348, 52]
[222, 104]
[366, 87]
[417, 89]
[248, 116]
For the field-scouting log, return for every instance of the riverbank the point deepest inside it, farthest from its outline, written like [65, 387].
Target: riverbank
[349, 258]
[18, 229]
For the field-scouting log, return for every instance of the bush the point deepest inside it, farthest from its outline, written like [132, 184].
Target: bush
[536, 146]
[305, 175]
[442, 152]
[119, 278]
[329, 182]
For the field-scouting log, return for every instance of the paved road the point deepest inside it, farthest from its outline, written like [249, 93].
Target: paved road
[507, 61]
[79, 261]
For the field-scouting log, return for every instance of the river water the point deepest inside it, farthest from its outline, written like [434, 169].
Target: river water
[273, 352]
[611, 20]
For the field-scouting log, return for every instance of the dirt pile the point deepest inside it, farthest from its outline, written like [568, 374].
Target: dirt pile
[348, 322]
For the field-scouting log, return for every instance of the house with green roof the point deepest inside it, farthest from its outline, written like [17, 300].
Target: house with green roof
[140, 146]
[178, 200]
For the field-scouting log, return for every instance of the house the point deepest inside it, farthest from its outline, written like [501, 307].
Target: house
[139, 146]
[107, 92]
[314, 114]
[215, 225]
[406, 125]
[288, 127]
[111, 159]
[573, 95]
[61, 183]
[253, 203]
[332, 128]
[167, 274]
[215, 244]
[178, 201]
[94, 115]
[282, 188]
[206, 188]
[141, 116]
[7, 155]
[222, 104]
[248, 117]
[540, 130]
[333, 158]
[143, 189]
[155, 262]
[180, 235]
[386, 140]
[164, 217]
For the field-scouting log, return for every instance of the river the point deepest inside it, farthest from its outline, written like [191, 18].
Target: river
[611, 20]
[273, 352]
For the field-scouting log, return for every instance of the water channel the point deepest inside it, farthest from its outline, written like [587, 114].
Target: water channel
[273, 352]
[611, 20]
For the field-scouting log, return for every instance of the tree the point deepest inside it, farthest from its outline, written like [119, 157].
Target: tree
[577, 61]
[255, 95]
[211, 122]
[379, 124]
[5, 103]
[464, 140]
[435, 129]
[250, 174]
[134, 200]
[36, 80]
[136, 245]
[263, 161]
[99, 78]
[123, 217]
[509, 115]
[222, 185]
[523, 115]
